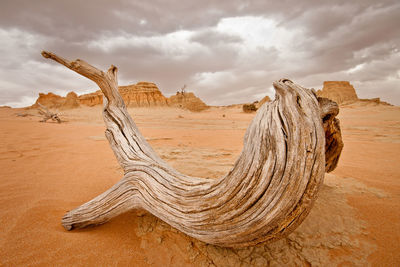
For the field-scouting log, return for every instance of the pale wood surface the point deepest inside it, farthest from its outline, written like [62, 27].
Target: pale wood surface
[266, 195]
[47, 114]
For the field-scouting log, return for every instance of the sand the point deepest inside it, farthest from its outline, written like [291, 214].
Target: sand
[47, 169]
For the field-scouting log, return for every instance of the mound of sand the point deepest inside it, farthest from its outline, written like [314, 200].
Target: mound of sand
[372, 102]
[48, 169]
[187, 101]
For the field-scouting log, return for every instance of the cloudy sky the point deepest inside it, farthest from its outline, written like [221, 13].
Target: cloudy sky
[225, 51]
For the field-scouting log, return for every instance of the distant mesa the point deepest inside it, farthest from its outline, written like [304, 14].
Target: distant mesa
[142, 94]
[147, 94]
[343, 93]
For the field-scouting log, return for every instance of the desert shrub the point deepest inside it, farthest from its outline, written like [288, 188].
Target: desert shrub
[248, 108]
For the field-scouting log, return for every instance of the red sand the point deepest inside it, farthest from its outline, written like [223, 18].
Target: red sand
[48, 168]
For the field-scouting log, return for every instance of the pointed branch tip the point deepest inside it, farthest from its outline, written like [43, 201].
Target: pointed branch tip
[113, 69]
[46, 54]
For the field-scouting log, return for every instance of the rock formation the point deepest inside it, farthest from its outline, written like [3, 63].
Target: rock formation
[342, 92]
[142, 94]
[187, 101]
[91, 99]
[71, 101]
[54, 101]
[49, 100]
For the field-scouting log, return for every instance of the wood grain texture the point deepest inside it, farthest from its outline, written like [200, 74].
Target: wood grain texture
[333, 136]
[265, 196]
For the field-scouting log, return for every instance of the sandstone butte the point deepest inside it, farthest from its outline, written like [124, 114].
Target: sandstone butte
[342, 92]
[147, 94]
[142, 94]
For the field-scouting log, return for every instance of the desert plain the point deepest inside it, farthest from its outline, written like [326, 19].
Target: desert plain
[47, 169]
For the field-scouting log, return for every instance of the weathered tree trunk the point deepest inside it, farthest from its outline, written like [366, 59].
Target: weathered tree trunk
[265, 196]
[47, 114]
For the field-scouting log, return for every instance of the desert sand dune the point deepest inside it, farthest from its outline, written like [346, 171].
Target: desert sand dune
[47, 169]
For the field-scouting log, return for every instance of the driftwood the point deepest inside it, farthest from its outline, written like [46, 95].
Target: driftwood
[266, 195]
[47, 114]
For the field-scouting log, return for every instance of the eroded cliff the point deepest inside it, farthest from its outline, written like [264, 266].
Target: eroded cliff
[142, 94]
[342, 92]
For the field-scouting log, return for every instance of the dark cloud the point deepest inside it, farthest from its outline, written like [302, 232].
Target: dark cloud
[225, 51]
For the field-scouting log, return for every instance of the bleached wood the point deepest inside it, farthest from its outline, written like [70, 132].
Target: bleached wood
[47, 114]
[266, 195]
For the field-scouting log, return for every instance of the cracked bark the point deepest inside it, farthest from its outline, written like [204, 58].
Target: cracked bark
[266, 195]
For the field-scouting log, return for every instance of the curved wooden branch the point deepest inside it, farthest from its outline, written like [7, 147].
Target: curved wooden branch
[266, 195]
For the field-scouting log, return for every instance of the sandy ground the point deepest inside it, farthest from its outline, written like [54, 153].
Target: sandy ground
[47, 169]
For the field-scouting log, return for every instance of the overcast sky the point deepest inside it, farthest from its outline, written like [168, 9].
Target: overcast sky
[225, 51]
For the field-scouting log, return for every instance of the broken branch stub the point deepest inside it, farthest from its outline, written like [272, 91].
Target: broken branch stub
[266, 195]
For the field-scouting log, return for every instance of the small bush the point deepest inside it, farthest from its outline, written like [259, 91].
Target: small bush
[248, 108]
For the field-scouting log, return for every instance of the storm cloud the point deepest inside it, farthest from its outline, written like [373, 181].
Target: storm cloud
[225, 51]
